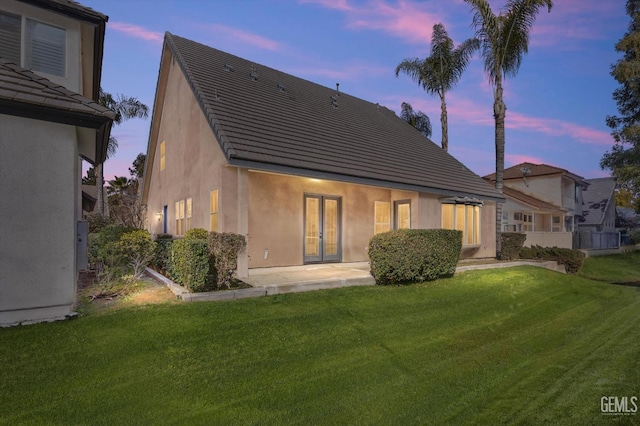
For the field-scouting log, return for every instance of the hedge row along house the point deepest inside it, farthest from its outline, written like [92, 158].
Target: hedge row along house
[50, 67]
[308, 173]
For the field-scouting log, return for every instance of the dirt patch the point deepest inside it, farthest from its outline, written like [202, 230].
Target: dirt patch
[94, 296]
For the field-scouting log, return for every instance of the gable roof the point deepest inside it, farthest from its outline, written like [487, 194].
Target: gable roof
[70, 8]
[596, 200]
[266, 119]
[533, 202]
[515, 172]
[26, 94]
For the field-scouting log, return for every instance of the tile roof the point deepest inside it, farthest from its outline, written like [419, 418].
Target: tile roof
[70, 8]
[535, 203]
[26, 94]
[515, 172]
[596, 199]
[267, 119]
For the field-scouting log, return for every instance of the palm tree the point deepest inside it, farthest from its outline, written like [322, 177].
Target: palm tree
[504, 39]
[439, 72]
[118, 185]
[125, 107]
[417, 119]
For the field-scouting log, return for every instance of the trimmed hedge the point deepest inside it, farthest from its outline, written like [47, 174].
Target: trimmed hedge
[414, 255]
[191, 264]
[512, 242]
[224, 248]
[571, 259]
[162, 256]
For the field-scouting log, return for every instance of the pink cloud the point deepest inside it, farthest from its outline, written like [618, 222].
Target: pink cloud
[554, 127]
[136, 31]
[331, 4]
[247, 37]
[405, 19]
[513, 159]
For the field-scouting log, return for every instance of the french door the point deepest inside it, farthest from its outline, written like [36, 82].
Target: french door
[322, 229]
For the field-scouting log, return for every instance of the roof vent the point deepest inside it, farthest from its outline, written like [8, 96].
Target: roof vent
[215, 95]
[281, 87]
[228, 67]
[338, 89]
[254, 73]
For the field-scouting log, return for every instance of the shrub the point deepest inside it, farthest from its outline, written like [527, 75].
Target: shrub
[196, 234]
[225, 248]
[634, 237]
[571, 259]
[137, 248]
[413, 255]
[191, 264]
[511, 244]
[97, 221]
[162, 253]
[103, 250]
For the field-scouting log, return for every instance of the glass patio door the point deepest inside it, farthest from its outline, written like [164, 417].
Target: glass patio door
[321, 229]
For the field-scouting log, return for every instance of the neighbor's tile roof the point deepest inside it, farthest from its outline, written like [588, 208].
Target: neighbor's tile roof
[515, 172]
[535, 203]
[70, 8]
[22, 90]
[275, 120]
[596, 199]
[26, 94]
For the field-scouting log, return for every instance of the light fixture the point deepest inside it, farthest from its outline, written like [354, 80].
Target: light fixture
[159, 216]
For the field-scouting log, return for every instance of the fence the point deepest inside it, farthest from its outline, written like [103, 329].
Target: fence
[596, 240]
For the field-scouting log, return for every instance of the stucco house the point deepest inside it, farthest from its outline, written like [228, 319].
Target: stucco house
[308, 173]
[543, 201]
[50, 63]
[597, 225]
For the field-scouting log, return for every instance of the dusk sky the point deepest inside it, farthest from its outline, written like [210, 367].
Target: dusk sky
[556, 105]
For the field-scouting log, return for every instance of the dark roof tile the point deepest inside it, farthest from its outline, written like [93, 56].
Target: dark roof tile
[300, 129]
[596, 199]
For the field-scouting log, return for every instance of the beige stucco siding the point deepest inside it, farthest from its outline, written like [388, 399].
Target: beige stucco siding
[546, 188]
[39, 209]
[194, 164]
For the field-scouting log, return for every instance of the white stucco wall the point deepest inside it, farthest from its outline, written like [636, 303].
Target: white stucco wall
[39, 179]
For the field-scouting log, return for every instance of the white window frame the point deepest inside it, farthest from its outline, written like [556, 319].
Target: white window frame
[476, 223]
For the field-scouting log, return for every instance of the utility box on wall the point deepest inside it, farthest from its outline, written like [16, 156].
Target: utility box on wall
[82, 239]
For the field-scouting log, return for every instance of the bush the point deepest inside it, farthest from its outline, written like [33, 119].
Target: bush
[162, 253]
[414, 255]
[512, 242]
[137, 249]
[103, 250]
[196, 234]
[97, 221]
[224, 248]
[571, 259]
[191, 264]
[634, 237]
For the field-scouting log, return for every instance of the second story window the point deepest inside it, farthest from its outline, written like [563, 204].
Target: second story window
[32, 44]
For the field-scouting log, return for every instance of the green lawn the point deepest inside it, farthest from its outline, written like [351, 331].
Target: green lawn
[614, 268]
[519, 345]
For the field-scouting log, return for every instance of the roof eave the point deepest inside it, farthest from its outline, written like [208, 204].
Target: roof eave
[316, 174]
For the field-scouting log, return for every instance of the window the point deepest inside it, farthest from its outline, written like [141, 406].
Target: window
[403, 214]
[188, 215]
[465, 218]
[556, 224]
[213, 211]
[162, 152]
[10, 37]
[517, 216]
[180, 217]
[382, 213]
[44, 45]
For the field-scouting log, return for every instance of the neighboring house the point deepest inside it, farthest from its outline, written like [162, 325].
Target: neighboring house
[597, 226]
[544, 202]
[90, 198]
[50, 62]
[309, 174]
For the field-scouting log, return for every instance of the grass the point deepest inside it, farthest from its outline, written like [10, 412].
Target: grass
[615, 268]
[520, 345]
